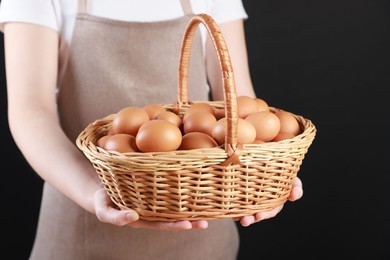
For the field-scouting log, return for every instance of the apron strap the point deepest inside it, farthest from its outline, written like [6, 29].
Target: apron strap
[83, 6]
[186, 5]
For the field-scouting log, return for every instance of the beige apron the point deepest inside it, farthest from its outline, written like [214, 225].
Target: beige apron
[113, 64]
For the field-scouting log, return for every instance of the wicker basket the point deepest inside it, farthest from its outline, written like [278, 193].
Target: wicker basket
[224, 182]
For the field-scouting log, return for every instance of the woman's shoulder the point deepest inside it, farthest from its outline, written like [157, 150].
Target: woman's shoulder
[45, 13]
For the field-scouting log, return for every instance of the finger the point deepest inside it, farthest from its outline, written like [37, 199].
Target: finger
[297, 182]
[199, 224]
[296, 194]
[106, 213]
[247, 220]
[116, 217]
[268, 214]
[296, 191]
[159, 225]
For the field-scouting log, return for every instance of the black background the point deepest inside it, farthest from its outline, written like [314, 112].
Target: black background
[325, 60]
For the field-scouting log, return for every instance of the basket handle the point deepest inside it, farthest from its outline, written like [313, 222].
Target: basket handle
[228, 82]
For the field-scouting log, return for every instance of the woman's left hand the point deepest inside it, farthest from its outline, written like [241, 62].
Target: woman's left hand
[296, 194]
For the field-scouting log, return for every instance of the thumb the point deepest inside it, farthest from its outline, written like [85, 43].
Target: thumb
[105, 211]
[117, 217]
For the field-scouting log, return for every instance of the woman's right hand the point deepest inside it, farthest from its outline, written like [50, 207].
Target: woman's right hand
[107, 213]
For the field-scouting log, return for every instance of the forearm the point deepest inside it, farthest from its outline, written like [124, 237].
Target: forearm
[51, 154]
[31, 67]
[234, 36]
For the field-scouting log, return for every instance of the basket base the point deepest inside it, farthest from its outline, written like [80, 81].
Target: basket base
[210, 214]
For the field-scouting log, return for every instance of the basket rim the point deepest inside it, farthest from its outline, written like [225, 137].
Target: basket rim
[86, 140]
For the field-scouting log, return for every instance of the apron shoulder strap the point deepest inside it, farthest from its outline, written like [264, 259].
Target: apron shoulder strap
[186, 5]
[82, 6]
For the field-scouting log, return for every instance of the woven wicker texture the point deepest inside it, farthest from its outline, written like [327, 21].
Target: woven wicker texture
[224, 182]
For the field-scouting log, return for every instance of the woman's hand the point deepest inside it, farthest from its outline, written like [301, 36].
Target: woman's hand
[296, 194]
[105, 212]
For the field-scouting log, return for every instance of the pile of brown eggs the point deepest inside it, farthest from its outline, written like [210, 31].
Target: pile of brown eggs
[155, 129]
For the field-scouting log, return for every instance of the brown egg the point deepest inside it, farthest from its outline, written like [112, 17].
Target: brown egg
[128, 120]
[198, 107]
[218, 132]
[122, 143]
[246, 132]
[102, 140]
[199, 121]
[261, 104]
[158, 136]
[171, 117]
[219, 113]
[266, 123]
[153, 110]
[110, 131]
[288, 123]
[195, 140]
[245, 106]
[282, 136]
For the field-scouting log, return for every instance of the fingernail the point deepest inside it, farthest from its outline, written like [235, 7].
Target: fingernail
[132, 216]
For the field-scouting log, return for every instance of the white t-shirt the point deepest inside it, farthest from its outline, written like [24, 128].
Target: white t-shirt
[60, 14]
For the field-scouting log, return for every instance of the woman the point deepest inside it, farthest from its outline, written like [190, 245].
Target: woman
[81, 61]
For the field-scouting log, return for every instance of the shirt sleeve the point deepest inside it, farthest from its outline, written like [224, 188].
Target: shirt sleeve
[40, 12]
[228, 10]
